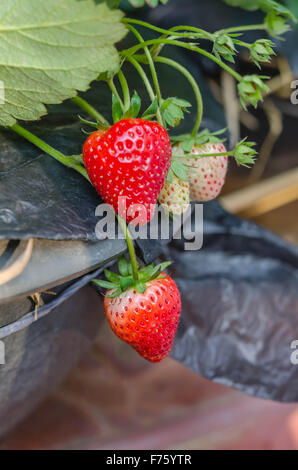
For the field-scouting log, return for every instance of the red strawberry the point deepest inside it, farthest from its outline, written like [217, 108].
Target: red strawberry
[208, 174]
[147, 321]
[131, 160]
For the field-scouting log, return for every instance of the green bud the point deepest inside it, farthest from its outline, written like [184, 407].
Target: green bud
[261, 51]
[276, 25]
[173, 109]
[245, 154]
[250, 89]
[224, 47]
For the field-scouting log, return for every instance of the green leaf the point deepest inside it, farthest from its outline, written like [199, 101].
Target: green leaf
[115, 294]
[180, 138]
[52, 49]
[105, 284]
[165, 265]
[112, 277]
[268, 6]
[172, 110]
[181, 103]
[113, 3]
[147, 269]
[179, 169]
[123, 266]
[205, 136]
[151, 110]
[135, 106]
[170, 176]
[116, 109]
[188, 144]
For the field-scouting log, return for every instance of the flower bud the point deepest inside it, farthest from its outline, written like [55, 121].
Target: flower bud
[224, 47]
[250, 89]
[261, 51]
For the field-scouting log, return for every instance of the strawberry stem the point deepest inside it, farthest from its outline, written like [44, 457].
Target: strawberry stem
[68, 161]
[132, 50]
[200, 32]
[188, 30]
[115, 93]
[83, 104]
[143, 75]
[250, 27]
[203, 155]
[131, 250]
[152, 69]
[125, 90]
[194, 85]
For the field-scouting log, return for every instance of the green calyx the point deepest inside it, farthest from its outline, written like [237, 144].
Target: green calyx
[251, 88]
[204, 137]
[125, 280]
[261, 51]
[276, 25]
[173, 109]
[224, 47]
[99, 125]
[187, 141]
[245, 154]
[134, 109]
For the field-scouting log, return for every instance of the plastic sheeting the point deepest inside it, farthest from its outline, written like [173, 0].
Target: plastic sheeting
[239, 306]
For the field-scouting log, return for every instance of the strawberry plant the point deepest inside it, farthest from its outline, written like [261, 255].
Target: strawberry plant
[52, 50]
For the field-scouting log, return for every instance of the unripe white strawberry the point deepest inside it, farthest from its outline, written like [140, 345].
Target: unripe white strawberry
[175, 196]
[208, 174]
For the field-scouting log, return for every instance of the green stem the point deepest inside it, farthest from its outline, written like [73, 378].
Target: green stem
[242, 43]
[131, 250]
[144, 77]
[228, 154]
[199, 33]
[125, 90]
[89, 109]
[67, 161]
[115, 92]
[250, 27]
[195, 87]
[152, 69]
[168, 32]
[203, 33]
[147, 84]
[134, 49]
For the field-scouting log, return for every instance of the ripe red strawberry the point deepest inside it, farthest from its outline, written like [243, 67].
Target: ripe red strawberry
[207, 175]
[147, 321]
[175, 196]
[131, 160]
